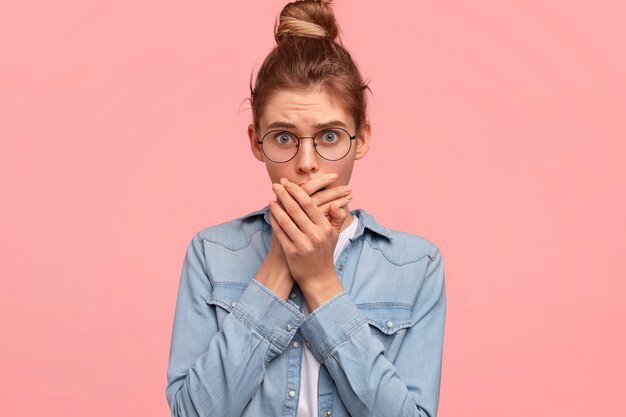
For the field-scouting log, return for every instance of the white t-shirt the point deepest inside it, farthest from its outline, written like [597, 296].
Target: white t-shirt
[309, 372]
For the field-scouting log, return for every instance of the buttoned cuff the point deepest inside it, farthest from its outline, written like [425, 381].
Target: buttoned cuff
[269, 315]
[330, 325]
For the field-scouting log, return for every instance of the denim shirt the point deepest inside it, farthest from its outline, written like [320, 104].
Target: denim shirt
[236, 346]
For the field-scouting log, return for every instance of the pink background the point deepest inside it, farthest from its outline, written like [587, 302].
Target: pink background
[499, 133]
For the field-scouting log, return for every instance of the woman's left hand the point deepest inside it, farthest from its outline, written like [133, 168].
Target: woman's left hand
[308, 239]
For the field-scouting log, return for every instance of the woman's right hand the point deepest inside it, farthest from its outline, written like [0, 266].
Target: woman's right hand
[274, 272]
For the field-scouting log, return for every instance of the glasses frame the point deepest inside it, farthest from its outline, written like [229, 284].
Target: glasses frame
[352, 137]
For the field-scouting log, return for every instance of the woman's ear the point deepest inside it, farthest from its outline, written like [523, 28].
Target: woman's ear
[254, 145]
[363, 141]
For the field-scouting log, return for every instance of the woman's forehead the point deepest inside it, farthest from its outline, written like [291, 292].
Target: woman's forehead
[295, 108]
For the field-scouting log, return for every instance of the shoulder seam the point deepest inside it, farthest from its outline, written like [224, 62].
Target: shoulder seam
[395, 263]
[233, 249]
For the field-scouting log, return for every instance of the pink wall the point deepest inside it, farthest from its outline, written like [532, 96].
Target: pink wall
[499, 133]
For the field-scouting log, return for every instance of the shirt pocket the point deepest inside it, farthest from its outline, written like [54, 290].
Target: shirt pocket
[222, 298]
[388, 322]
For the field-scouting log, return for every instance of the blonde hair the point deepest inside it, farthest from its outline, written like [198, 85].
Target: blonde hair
[308, 56]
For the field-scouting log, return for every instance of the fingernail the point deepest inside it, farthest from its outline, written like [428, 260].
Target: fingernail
[349, 197]
[346, 188]
[283, 181]
[333, 176]
[275, 187]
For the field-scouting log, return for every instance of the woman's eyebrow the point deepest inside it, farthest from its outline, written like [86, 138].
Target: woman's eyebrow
[289, 125]
[331, 124]
[285, 125]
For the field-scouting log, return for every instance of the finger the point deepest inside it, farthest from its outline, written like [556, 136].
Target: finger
[287, 224]
[337, 216]
[318, 183]
[292, 207]
[340, 202]
[329, 194]
[305, 201]
[281, 235]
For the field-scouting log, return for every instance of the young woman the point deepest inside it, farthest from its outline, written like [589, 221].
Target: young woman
[307, 308]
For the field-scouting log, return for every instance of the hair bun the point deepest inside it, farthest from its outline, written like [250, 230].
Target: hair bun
[307, 18]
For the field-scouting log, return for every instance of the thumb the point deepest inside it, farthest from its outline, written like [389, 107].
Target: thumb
[337, 216]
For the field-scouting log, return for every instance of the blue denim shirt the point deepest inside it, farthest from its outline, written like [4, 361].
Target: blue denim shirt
[236, 346]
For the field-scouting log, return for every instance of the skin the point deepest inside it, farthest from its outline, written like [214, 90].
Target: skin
[311, 206]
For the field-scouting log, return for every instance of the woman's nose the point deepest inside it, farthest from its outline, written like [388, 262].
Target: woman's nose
[306, 159]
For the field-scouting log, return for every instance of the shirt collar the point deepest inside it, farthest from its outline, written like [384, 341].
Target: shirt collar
[366, 221]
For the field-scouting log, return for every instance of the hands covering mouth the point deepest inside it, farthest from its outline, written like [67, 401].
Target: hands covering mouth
[306, 220]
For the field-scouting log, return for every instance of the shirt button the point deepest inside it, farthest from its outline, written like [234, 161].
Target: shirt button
[293, 295]
[389, 324]
[233, 304]
[328, 413]
[295, 344]
[291, 393]
[289, 327]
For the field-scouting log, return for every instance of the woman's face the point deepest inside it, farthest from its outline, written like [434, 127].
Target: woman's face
[299, 112]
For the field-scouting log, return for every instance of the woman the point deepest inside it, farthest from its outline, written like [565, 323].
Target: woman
[305, 308]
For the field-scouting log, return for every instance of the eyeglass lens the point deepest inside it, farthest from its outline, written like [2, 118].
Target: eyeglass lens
[281, 145]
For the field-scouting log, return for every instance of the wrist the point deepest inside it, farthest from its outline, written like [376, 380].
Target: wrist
[277, 280]
[319, 290]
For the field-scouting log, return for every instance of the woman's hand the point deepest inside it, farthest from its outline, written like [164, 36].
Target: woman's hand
[274, 272]
[308, 240]
[323, 197]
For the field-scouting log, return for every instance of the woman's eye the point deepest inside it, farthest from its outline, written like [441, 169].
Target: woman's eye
[329, 136]
[284, 138]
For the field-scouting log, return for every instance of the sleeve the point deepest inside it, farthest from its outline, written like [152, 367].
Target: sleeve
[367, 382]
[216, 371]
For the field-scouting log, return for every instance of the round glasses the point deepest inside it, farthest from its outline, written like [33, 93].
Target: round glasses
[282, 146]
